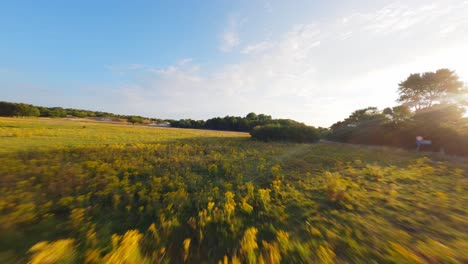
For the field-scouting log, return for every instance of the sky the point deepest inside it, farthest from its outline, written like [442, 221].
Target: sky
[311, 61]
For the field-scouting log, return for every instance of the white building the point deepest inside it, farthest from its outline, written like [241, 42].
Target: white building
[162, 124]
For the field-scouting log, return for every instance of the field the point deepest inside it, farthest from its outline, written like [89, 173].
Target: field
[76, 191]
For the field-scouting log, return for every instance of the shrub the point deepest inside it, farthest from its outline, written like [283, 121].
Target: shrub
[285, 133]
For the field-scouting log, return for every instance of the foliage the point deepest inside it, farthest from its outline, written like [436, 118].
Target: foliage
[234, 123]
[11, 109]
[227, 123]
[424, 90]
[135, 119]
[298, 133]
[442, 124]
[18, 109]
[163, 201]
[439, 100]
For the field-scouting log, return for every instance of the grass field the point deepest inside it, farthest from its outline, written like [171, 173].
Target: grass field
[88, 192]
[45, 133]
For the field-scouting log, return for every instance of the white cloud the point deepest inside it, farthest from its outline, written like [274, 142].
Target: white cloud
[257, 84]
[257, 47]
[447, 29]
[401, 16]
[230, 39]
[314, 73]
[345, 35]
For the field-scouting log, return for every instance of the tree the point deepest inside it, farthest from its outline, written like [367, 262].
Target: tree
[15, 109]
[56, 112]
[8, 109]
[419, 91]
[27, 110]
[251, 116]
[263, 118]
[398, 114]
[360, 117]
[362, 126]
[277, 132]
[135, 119]
[445, 114]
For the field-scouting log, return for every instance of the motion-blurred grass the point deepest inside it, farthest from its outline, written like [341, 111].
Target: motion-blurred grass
[112, 193]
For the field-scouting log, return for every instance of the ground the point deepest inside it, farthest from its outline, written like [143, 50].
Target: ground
[84, 191]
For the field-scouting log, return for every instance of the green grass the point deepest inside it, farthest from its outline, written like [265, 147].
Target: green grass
[45, 133]
[140, 194]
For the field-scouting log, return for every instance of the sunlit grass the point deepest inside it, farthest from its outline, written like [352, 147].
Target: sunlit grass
[44, 133]
[110, 192]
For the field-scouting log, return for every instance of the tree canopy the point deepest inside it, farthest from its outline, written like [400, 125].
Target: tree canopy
[20, 109]
[438, 100]
[421, 90]
[277, 132]
[234, 123]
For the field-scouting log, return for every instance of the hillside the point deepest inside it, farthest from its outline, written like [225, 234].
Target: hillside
[91, 192]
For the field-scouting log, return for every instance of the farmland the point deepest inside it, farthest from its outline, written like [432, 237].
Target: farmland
[79, 191]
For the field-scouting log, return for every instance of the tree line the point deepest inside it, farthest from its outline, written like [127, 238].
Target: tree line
[261, 127]
[10, 109]
[268, 128]
[234, 123]
[295, 133]
[432, 106]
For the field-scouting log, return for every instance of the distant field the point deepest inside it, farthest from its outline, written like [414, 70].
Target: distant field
[111, 193]
[43, 133]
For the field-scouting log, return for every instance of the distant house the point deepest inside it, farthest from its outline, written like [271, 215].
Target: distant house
[161, 124]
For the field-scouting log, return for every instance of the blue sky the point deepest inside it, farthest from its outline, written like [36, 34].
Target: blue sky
[313, 61]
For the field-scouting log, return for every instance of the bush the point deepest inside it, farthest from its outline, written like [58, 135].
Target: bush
[13, 109]
[443, 125]
[285, 133]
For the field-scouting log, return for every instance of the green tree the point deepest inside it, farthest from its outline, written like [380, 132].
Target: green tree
[56, 112]
[445, 114]
[421, 90]
[27, 110]
[360, 117]
[15, 109]
[135, 119]
[398, 114]
[251, 116]
[8, 109]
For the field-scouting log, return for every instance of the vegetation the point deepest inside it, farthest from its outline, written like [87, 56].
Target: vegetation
[443, 125]
[235, 123]
[424, 90]
[23, 134]
[21, 110]
[227, 123]
[432, 107]
[438, 99]
[297, 133]
[132, 194]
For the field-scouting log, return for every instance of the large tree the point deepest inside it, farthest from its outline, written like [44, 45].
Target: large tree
[397, 114]
[360, 117]
[421, 90]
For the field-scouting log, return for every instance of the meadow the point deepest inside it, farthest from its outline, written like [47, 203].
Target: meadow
[78, 191]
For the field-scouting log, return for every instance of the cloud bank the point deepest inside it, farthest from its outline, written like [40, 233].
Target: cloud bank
[316, 73]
